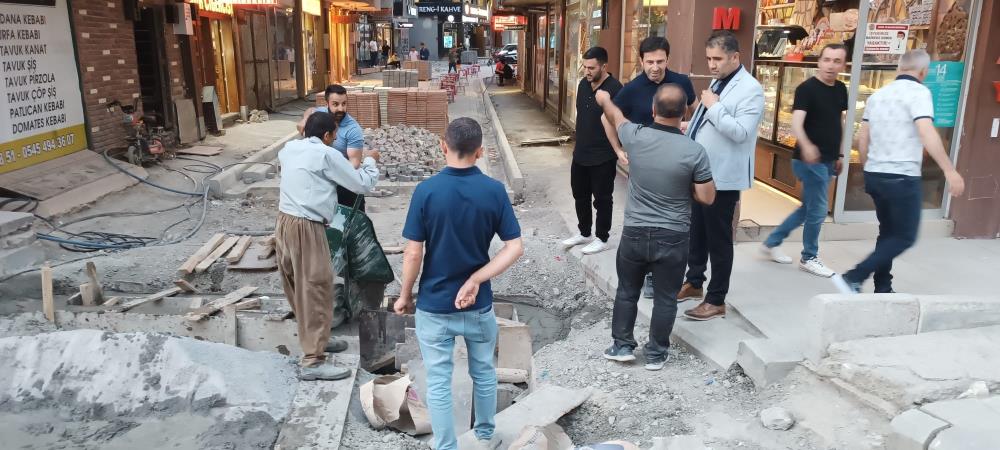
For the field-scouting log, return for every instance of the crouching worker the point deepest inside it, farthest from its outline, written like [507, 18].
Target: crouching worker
[453, 216]
[310, 174]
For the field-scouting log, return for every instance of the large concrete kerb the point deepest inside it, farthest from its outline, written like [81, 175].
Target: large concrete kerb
[515, 179]
[225, 180]
[838, 318]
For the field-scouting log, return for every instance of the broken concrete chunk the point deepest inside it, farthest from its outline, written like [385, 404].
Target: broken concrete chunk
[776, 418]
[978, 389]
[540, 408]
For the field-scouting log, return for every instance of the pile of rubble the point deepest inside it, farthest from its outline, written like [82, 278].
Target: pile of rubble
[408, 153]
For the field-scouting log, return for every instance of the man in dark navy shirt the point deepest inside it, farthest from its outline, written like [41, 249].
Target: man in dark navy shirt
[454, 215]
[635, 100]
[592, 173]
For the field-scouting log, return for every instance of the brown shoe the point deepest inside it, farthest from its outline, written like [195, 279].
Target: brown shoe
[689, 292]
[706, 311]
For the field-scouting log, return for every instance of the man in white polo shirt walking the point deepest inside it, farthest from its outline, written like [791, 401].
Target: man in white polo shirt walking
[898, 126]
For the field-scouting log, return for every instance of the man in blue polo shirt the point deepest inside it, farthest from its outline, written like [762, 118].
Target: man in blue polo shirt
[453, 216]
[350, 140]
[635, 100]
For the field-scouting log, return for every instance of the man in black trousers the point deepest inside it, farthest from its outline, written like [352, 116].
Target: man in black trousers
[592, 173]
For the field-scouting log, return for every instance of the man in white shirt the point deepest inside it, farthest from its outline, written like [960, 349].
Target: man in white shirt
[373, 52]
[898, 126]
[310, 174]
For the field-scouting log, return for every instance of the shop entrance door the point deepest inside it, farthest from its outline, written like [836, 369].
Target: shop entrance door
[219, 63]
[154, 83]
[256, 63]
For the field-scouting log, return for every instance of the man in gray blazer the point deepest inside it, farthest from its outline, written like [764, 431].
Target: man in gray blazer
[725, 123]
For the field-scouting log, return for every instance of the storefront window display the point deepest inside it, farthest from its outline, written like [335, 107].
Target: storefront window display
[285, 86]
[791, 34]
[552, 65]
[580, 36]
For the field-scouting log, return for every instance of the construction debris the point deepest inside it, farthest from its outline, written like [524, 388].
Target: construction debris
[540, 408]
[94, 291]
[238, 250]
[152, 298]
[392, 401]
[545, 141]
[205, 250]
[407, 153]
[186, 286]
[217, 305]
[216, 254]
[48, 305]
[776, 418]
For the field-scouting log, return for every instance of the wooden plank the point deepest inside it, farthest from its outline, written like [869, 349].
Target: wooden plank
[199, 150]
[393, 250]
[229, 315]
[87, 295]
[95, 284]
[540, 408]
[319, 411]
[48, 303]
[202, 252]
[253, 260]
[239, 249]
[250, 303]
[185, 286]
[152, 298]
[216, 254]
[217, 305]
[112, 301]
[268, 245]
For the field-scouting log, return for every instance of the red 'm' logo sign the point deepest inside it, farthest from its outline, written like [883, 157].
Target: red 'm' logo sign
[726, 19]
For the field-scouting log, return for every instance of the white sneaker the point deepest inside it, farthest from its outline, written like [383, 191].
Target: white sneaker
[595, 246]
[775, 254]
[816, 267]
[576, 240]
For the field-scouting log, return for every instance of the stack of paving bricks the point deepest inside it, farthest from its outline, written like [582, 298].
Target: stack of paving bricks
[417, 107]
[397, 106]
[423, 69]
[383, 103]
[399, 78]
[364, 107]
[437, 111]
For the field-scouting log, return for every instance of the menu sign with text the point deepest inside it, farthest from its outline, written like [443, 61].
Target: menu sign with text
[41, 112]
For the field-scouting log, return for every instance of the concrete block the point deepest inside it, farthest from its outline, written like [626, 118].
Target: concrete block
[914, 430]
[225, 180]
[970, 413]
[838, 318]
[18, 259]
[950, 312]
[960, 438]
[19, 239]
[766, 361]
[715, 341]
[11, 222]
[259, 172]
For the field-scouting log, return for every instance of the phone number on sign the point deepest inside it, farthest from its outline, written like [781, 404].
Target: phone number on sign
[47, 145]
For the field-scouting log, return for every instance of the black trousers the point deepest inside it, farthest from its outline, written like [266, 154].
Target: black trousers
[664, 253]
[597, 183]
[712, 239]
[346, 197]
[452, 66]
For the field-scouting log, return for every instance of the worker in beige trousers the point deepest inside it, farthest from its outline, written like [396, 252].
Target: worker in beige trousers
[310, 173]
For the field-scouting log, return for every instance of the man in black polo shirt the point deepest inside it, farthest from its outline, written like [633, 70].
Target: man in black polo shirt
[635, 100]
[592, 173]
[817, 123]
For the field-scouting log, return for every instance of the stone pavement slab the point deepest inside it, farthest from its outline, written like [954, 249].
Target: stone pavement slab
[913, 370]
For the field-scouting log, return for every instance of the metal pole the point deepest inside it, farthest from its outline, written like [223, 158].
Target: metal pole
[847, 138]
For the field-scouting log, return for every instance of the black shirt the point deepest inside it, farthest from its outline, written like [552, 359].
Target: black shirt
[823, 105]
[636, 98]
[592, 146]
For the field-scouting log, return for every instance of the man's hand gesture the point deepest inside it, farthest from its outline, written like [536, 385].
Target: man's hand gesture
[467, 294]
[404, 304]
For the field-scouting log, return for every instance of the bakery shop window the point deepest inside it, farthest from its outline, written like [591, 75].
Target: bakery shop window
[942, 28]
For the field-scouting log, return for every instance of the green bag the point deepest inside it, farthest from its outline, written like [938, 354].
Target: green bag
[357, 253]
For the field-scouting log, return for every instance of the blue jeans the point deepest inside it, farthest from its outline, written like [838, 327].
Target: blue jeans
[436, 334]
[898, 202]
[815, 202]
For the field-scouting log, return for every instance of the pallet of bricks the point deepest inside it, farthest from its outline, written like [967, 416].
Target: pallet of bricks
[423, 69]
[416, 107]
[400, 78]
[364, 107]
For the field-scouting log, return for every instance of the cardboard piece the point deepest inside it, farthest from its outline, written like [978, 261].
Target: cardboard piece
[391, 401]
[540, 408]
